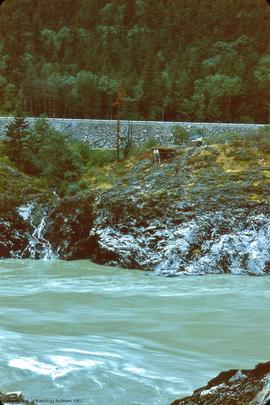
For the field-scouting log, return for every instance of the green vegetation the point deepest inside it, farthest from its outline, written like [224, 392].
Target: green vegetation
[72, 58]
[49, 160]
[150, 143]
[180, 135]
[15, 140]
[236, 167]
[42, 151]
[232, 168]
[123, 142]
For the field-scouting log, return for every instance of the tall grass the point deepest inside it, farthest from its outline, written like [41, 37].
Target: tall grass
[101, 157]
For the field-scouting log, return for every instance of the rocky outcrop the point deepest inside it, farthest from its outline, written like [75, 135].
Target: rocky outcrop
[46, 227]
[70, 221]
[58, 228]
[13, 235]
[14, 398]
[224, 241]
[13, 229]
[239, 387]
[177, 221]
[189, 215]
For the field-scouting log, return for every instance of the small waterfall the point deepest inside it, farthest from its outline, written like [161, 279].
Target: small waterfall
[38, 246]
[25, 211]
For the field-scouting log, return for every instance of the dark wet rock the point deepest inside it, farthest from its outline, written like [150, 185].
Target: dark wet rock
[226, 241]
[14, 398]
[70, 221]
[181, 225]
[13, 234]
[57, 228]
[198, 219]
[239, 387]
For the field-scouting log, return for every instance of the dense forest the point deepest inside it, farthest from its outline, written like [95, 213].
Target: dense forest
[186, 60]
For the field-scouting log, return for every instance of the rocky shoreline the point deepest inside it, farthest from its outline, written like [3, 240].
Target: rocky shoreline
[230, 240]
[239, 387]
[15, 398]
[198, 213]
[206, 211]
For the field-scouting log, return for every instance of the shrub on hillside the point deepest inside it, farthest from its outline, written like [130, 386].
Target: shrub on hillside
[42, 151]
[100, 157]
[151, 142]
[261, 138]
[180, 135]
[226, 137]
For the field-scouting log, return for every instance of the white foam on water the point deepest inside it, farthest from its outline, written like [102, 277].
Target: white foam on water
[136, 370]
[79, 351]
[147, 373]
[25, 211]
[38, 244]
[61, 366]
[37, 367]
[65, 361]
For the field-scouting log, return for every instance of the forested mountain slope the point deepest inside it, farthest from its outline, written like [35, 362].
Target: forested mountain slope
[200, 60]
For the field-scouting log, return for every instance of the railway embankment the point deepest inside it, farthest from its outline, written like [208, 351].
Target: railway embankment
[101, 133]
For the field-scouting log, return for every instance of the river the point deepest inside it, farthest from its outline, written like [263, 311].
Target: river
[75, 331]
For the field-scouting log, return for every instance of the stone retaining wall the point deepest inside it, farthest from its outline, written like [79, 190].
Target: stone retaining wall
[101, 133]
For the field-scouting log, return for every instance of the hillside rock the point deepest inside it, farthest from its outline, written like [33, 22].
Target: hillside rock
[239, 387]
[176, 221]
[14, 398]
[190, 215]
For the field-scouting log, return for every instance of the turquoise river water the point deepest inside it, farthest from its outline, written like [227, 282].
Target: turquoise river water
[75, 332]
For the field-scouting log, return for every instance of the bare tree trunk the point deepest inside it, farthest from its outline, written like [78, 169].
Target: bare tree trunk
[128, 141]
[162, 113]
[117, 139]
[31, 106]
[44, 104]
[53, 108]
[228, 112]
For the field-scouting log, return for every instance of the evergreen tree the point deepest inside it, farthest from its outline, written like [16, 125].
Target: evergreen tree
[15, 138]
[67, 58]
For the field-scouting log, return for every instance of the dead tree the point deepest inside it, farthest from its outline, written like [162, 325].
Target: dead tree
[128, 141]
[117, 140]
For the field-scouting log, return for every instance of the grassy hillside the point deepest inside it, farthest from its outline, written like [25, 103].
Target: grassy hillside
[231, 169]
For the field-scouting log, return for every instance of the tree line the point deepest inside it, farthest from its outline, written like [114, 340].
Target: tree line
[185, 60]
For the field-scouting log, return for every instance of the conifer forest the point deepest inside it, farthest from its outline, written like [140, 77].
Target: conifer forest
[186, 60]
